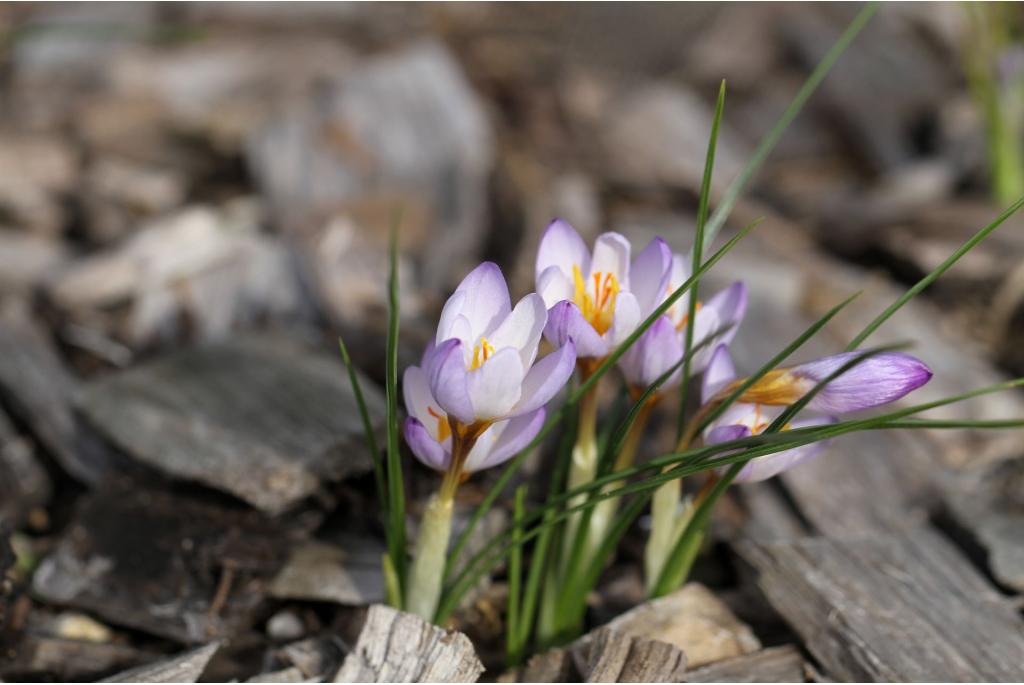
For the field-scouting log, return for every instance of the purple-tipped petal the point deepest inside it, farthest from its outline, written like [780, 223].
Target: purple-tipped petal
[504, 440]
[720, 434]
[546, 378]
[566, 323]
[657, 350]
[719, 372]
[522, 328]
[649, 275]
[428, 450]
[771, 465]
[876, 380]
[563, 247]
[446, 373]
[496, 386]
[611, 255]
[719, 317]
[554, 286]
[625, 320]
[484, 299]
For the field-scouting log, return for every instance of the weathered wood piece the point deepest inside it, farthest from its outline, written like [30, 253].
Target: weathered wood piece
[183, 668]
[553, 666]
[168, 565]
[37, 389]
[691, 619]
[24, 483]
[292, 674]
[315, 657]
[395, 646]
[773, 665]
[989, 506]
[66, 660]
[346, 574]
[901, 607]
[612, 657]
[262, 419]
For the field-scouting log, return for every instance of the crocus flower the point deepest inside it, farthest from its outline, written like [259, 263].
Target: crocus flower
[875, 380]
[429, 434]
[597, 300]
[482, 369]
[743, 419]
[661, 346]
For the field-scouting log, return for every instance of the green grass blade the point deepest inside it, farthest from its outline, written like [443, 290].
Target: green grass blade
[914, 290]
[698, 254]
[368, 432]
[513, 649]
[396, 494]
[768, 143]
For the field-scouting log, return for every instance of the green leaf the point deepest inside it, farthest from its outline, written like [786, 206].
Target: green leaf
[513, 648]
[396, 494]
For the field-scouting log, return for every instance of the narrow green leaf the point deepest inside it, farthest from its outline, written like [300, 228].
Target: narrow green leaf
[698, 254]
[914, 290]
[515, 578]
[396, 494]
[769, 142]
[368, 432]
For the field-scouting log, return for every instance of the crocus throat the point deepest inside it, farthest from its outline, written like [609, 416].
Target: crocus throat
[444, 429]
[482, 351]
[685, 319]
[776, 387]
[598, 309]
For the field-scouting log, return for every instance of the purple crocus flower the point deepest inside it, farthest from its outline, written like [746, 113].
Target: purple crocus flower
[743, 419]
[661, 346]
[597, 299]
[482, 369]
[429, 433]
[874, 381]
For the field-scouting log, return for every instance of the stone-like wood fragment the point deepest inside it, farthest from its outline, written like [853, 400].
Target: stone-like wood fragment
[613, 657]
[900, 607]
[316, 657]
[67, 660]
[346, 574]
[773, 665]
[691, 619]
[183, 668]
[38, 390]
[395, 646]
[262, 419]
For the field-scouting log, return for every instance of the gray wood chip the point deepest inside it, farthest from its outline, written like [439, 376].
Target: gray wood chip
[183, 668]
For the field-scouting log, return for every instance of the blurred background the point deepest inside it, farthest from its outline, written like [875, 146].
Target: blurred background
[202, 172]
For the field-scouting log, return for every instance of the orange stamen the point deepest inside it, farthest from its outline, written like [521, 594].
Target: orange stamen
[444, 429]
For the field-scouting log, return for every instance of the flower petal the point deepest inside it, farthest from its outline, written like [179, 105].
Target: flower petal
[770, 465]
[611, 255]
[546, 378]
[649, 275]
[416, 391]
[876, 380]
[451, 311]
[627, 317]
[721, 314]
[657, 350]
[563, 247]
[554, 286]
[679, 274]
[719, 372]
[566, 323]
[720, 434]
[522, 328]
[496, 386]
[428, 450]
[504, 440]
[485, 300]
[449, 384]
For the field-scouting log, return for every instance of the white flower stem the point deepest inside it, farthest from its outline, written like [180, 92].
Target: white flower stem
[430, 557]
[664, 514]
[584, 460]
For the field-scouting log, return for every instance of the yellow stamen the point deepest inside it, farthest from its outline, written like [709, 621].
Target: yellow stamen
[444, 429]
[598, 309]
[686, 318]
[482, 351]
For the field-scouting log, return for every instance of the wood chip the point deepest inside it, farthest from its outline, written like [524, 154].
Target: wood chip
[316, 657]
[691, 619]
[260, 418]
[773, 665]
[346, 574]
[66, 659]
[612, 657]
[395, 646]
[184, 668]
[901, 607]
